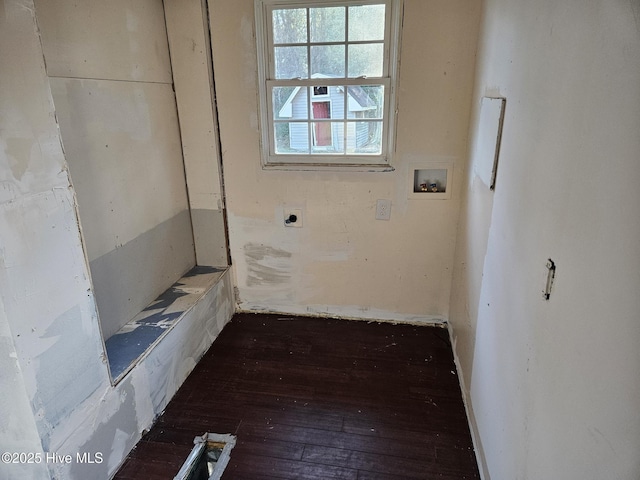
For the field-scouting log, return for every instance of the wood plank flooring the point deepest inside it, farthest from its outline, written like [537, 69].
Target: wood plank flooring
[313, 398]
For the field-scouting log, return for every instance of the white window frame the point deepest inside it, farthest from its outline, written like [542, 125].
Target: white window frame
[266, 81]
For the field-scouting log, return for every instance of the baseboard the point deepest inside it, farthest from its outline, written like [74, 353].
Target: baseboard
[345, 312]
[471, 419]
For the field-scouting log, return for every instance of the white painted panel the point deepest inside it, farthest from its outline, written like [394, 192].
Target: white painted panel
[487, 146]
[554, 385]
[123, 147]
[117, 40]
[186, 22]
[188, 31]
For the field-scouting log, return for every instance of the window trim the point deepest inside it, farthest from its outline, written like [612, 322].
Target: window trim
[271, 160]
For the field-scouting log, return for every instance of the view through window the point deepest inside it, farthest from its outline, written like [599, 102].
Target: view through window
[327, 80]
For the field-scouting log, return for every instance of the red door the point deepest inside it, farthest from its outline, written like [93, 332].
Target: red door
[322, 130]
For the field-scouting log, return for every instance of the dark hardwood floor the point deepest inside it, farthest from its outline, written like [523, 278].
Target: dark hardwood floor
[313, 398]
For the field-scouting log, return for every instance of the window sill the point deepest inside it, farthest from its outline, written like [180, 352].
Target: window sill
[330, 167]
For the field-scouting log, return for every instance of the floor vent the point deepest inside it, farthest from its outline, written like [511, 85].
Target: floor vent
[209, 457]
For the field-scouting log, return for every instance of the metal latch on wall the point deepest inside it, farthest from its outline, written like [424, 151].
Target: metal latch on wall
[551, 274]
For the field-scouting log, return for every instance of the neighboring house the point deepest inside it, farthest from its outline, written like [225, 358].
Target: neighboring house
[328, 102]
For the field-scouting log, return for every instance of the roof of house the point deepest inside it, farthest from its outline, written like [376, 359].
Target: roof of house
[356, 92]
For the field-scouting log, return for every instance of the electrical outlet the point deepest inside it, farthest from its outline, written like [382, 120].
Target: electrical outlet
[293, 217]
[383, 210]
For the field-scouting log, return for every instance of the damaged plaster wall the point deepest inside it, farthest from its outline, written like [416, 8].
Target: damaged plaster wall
[343, 261]
[113, 419]
[18, 432]
[56, 394]
[56, 356]
[110, 74]
[554, 385]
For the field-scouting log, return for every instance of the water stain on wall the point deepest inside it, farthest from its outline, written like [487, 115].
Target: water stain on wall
[267, 265]
[118, 431]
[66, 371]
[18, 149]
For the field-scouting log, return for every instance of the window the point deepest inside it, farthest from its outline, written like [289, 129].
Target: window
[317, 91]
[327, 71]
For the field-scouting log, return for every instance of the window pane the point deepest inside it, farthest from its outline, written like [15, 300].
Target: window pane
[321, 109]
[289, 102]
[291, 137]
[366, 22]
[291, 62]
[364, 138]
[327, 24]
[328, 137]
[320, 91]
[366, 60]
[329, 105]
[376, 94]
[328, 60]
[290, 25]
[366, 101]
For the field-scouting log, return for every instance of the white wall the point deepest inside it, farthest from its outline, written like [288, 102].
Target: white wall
[343, 261]
[554, 385]
[112, 86]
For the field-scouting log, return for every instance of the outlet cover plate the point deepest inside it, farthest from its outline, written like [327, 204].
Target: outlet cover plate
[293, 211]
[383, 209]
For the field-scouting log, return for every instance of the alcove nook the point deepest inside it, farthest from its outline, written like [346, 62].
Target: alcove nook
[142, 150]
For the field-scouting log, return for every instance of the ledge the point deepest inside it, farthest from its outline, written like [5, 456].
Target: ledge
[329, 167]
[135, 339]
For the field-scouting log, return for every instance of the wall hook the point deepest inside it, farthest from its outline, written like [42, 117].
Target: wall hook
[551, 273]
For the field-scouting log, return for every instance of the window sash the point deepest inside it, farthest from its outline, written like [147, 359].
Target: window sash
[340, 157]
[267, 74]
[283, 4]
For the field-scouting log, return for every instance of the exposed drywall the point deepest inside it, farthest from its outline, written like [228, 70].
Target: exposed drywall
[52, 320]
[147, 328]
[55, 353]
[343, 261]
[56, 395]
[40, 238]
[553, 385]
[113, 419]
[18, 432]
[209, 235]
[31, 160]
[157, 256]
[188, 31]
[111, 82]
[122, 142]
[115, 40]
